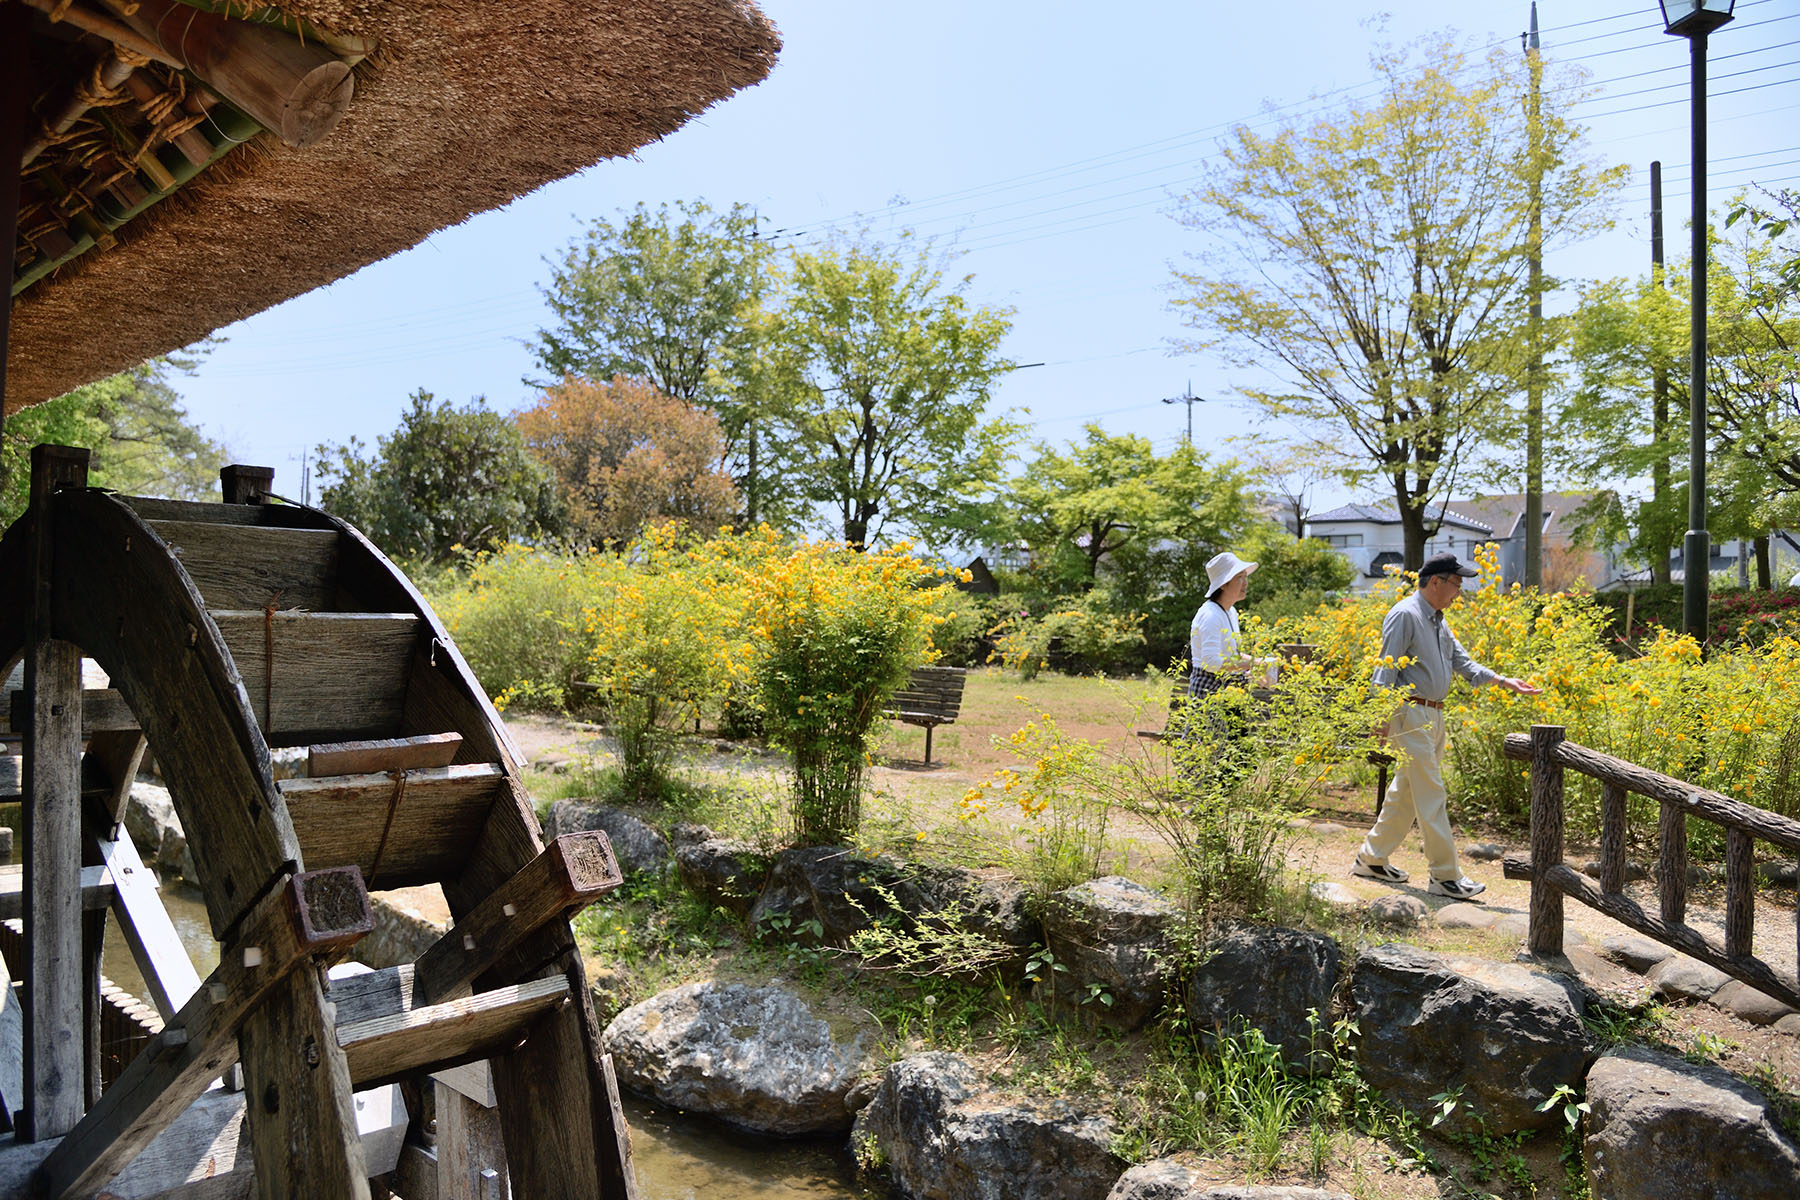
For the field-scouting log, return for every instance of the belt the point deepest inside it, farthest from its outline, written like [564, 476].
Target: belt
[1425, 702]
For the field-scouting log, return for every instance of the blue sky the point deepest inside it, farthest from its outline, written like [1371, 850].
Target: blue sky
[1042, 140]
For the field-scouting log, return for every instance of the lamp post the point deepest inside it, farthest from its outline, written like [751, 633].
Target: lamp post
[1693, 20]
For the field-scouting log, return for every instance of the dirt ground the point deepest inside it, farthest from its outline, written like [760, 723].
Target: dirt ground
[968, 752]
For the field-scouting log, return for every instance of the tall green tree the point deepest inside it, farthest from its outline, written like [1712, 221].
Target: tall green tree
[142, 440]
[672, 295]
[879, 375]
[447, 479]
[1374, 263]
[1111, 499]
[1627, 333]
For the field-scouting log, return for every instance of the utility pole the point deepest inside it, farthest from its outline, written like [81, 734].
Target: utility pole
[1534, 385]
[1660, 571]
[1188, 398]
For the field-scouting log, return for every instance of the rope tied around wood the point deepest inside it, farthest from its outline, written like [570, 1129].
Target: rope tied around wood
[394, 797]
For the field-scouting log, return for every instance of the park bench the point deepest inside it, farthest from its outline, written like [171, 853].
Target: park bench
[930, 698]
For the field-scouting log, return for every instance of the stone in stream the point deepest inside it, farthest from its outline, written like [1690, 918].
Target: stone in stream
[1662, 1128]
[942, 1138]
[758, 1058]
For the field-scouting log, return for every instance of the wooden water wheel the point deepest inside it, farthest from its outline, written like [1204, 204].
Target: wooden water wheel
[227, 629]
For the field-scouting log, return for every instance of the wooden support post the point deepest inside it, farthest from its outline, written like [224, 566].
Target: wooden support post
[299, 1108]
[112, 761]
[1546, 839]
[55, 1014]
[471, 1155]
[246, 485]
[1612, 838]
[1672, 861]
[571, 873]
[1740, 893]
[314, 913]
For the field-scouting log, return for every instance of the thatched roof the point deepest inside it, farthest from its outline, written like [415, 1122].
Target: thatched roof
[464, 106]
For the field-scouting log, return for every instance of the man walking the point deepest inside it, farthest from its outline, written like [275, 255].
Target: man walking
[1414, 632]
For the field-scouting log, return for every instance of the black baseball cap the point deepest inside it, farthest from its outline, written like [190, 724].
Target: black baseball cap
[1445, 564]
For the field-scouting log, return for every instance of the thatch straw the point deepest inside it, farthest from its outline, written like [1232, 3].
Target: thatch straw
[464, 107]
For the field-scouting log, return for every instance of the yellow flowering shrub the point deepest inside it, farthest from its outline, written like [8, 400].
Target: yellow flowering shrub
[836, 632]
[1725, 722]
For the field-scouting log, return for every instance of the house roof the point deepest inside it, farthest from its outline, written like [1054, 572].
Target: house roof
[459, 106]
[1505, 512]
[1385, 514]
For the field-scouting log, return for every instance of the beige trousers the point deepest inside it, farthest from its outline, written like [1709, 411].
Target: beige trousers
[1416, 793]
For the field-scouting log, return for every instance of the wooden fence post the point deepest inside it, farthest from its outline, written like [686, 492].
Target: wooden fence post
[1546, 839]
[243, 484]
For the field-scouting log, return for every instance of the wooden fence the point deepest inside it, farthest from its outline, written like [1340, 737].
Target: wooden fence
[1552, 878]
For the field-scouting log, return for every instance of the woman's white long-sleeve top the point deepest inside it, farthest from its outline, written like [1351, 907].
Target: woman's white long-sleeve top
[1213, 638]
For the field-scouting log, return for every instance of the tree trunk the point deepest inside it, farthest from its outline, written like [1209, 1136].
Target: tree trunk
[1412, 527]
[1765, 576]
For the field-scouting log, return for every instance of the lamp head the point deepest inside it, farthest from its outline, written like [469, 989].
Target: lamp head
[1694, 18]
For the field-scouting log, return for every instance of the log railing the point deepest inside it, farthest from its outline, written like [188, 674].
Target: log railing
[1552, 878]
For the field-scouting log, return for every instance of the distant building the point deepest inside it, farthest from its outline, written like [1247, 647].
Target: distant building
[1565, 558]
[1369, 535]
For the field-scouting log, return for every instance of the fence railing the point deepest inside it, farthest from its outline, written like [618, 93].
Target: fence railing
[1552, 878]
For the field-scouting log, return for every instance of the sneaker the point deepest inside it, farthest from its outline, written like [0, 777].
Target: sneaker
[1382, 871]
[1457, 889]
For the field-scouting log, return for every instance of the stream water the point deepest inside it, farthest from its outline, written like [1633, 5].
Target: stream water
[679, 1157]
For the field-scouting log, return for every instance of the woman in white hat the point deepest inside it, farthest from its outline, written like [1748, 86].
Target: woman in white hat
[1213, 638]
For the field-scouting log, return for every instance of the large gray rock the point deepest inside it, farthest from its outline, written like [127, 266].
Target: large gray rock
[1270, 979]
[1167, 1179]
[828, 893]
[154, 828]
[754, 1057]
[1111, 937]
[638, 846]
[1506, 1035]
[728, 873]
[1661, 1128]
[942, 1139]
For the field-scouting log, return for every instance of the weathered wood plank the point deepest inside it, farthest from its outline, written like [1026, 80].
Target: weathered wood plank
[572, 872]
[431, 819]
[387, 754]
[103, 710]
[471, 1152]
[130, 607]
[111, 763]
[201, 1155]
[155, 946]
[315, 913]
[334, 673]
[1712, 806]
[153, 508]
[54, 1068]
[392, 1044]
[96, 890]
[251, 567]
[301, 1115]
[12, 1048]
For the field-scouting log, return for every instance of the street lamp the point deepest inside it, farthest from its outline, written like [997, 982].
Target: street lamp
[1693, 20]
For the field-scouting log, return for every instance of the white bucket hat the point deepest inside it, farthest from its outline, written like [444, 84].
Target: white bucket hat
[1222, 568]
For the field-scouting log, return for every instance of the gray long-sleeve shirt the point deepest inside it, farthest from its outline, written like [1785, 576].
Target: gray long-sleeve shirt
[1413, 629]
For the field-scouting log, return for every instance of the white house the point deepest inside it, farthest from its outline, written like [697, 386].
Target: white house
[1369, 536]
